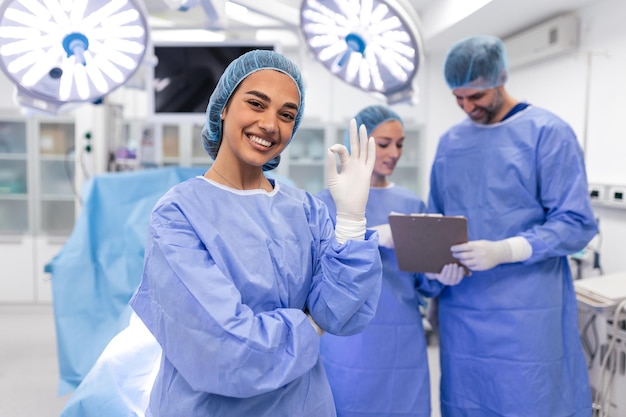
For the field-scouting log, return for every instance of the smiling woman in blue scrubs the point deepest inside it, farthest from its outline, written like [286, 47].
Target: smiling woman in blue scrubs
[243, 274]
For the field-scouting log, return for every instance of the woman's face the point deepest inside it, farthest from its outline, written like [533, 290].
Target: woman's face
[259, 118]
[389, 137]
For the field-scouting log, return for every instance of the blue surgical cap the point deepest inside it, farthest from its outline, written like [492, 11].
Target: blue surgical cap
[233, 75]
[478, 62]
[371, 117]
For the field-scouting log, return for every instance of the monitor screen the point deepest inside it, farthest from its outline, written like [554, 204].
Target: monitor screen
[185, 75]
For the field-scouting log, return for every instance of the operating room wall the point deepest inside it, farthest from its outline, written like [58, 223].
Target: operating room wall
[7, 103]
[587, 89]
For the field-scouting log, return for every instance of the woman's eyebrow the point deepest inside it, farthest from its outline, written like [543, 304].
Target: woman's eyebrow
[259, 94]
[389, 138]
[291, 105]
[265, 97]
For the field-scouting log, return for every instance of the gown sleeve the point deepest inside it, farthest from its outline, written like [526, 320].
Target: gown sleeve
[347, 282]
[563, 193]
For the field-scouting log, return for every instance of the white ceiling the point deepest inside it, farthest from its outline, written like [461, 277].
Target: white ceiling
[441, 21]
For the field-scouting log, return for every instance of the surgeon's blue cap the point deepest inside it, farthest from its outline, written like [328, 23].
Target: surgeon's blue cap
[371, 117]
[478, 62]
[234, 74]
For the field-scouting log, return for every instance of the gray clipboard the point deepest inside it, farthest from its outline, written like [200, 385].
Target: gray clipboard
[422, 241]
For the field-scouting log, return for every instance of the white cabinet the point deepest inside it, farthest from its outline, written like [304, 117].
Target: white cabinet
[54, 190]
[45, 248]
[170, 143]
[54, 198]
[16, 265]
[14, 178]
[182, 145]
[37, 202]
[303, 161]
[22, 261]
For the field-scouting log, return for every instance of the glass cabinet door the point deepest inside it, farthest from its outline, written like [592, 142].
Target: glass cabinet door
[307, 158]
[14, 207]
[55, 141]
[199, 157]
[170, 144]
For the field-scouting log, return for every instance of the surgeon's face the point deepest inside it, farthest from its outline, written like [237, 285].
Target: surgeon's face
[482, 106]
[259, 117]
[389, 137]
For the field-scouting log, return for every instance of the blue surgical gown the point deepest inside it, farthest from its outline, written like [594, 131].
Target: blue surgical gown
[227, 277]
[509, 340]
[383, 371]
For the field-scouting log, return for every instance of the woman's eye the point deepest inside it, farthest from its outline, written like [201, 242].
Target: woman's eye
[288, 116]
[255, 103]
[383, 145]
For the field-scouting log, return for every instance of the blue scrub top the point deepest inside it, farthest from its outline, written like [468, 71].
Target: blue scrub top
[383, 371]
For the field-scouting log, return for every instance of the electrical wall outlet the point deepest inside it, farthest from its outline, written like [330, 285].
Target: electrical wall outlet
[598, 192]
[617, 195]
[608, 195]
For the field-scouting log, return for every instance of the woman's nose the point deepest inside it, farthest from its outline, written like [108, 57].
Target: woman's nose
[395, 152]
[268, 123]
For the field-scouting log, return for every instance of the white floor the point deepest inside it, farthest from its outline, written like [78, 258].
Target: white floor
[28, 363]
[433, 363]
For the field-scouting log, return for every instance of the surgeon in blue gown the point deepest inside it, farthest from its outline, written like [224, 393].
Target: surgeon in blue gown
[383, 371]
[509, 340]
[243, 274]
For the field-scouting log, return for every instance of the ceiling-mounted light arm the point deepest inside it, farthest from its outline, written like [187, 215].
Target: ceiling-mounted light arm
[374, 45]
[287, 15]
[408, 13]
[216, 12]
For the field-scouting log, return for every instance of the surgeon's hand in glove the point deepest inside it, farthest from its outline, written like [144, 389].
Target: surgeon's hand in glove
[385, 239]
[350, 188]
[451, 274]
[480, 255]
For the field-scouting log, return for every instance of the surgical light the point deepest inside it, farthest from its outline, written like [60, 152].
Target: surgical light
[65, 51]
[373, 45]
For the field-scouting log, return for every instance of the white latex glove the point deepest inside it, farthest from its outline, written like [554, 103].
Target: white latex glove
[451, 274]
[317, 328]
[480, 255]
[350, 188]
[385, 239]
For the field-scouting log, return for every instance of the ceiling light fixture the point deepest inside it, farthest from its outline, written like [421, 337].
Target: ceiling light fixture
[69, 51]
[374, 45]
